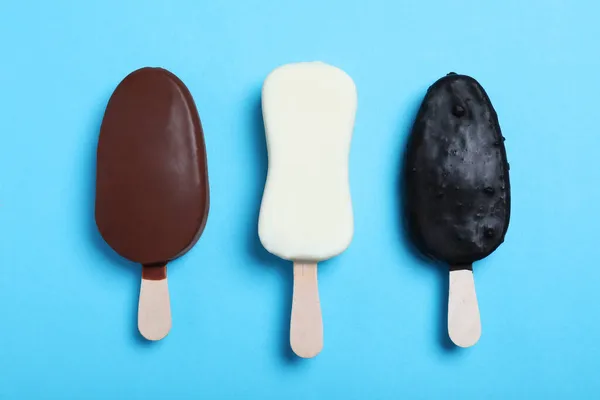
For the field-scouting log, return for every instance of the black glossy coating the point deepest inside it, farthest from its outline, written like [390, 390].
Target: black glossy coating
[457, 189]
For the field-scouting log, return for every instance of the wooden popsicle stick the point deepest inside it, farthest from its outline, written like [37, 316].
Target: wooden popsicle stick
[306, 329]
[154, 310]
[464, 325]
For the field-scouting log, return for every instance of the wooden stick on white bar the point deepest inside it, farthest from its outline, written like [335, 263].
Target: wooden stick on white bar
[306, 329]
[154, 310]
[464, 326]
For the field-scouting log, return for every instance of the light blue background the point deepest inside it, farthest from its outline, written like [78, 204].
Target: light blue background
[68, 303]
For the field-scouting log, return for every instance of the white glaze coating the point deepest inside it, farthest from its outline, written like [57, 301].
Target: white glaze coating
[306, 210]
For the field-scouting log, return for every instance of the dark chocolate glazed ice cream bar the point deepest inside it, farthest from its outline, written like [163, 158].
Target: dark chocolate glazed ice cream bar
[457, 190]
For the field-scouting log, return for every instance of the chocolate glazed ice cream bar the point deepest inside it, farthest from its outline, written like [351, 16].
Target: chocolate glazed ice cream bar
[152, 194]
[457, 190]
[306, 210]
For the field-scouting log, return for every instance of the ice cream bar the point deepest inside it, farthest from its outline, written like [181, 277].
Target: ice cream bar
[152, 194]
[457, 190]
[306, 210]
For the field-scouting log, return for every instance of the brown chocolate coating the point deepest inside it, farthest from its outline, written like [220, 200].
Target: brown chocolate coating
[152, 194]
[155, 272]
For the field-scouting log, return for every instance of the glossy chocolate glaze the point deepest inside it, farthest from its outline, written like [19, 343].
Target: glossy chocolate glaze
[154, 272]
[457, 186]
[152, 194]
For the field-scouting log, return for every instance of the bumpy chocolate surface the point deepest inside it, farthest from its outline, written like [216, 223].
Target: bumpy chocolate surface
[152, 194]
[457, 188]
